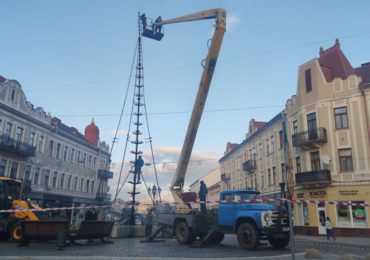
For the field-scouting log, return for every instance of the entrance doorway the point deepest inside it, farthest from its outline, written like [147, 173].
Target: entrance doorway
[321, 214]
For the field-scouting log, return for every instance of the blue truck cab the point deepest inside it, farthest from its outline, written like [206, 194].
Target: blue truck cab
[240, 212]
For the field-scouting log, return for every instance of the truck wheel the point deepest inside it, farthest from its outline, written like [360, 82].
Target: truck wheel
[279, 241]
[16, 232]
[217, 238]
[248, 236]
[184, 235]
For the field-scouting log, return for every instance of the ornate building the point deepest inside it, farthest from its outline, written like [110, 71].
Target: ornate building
[62, 166]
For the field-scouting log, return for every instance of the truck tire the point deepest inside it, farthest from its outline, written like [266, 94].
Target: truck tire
[248, 236]
[184, 234]
[16, 232]
[279, 241]
[217, 238]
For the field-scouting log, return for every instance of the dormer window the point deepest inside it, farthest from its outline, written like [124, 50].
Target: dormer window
[13, 94]
[307, 74]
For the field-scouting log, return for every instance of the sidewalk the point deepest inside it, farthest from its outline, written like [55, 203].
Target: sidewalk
[358, 241]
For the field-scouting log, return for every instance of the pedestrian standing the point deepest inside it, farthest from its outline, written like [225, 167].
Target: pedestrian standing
[202, 197]
[329, 229]
[149, 223]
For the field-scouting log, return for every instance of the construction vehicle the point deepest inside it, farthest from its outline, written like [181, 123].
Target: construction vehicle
[13, 209]
[251, 222]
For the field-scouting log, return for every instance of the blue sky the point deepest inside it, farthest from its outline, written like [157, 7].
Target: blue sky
[73, 58]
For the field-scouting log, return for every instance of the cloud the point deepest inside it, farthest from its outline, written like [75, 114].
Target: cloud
[119, 133]
[232, 20]
[166, 159]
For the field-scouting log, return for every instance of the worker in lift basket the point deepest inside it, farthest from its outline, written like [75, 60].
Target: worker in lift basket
[202, 197]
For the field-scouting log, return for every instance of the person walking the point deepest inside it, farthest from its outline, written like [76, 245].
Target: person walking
[202, 197]
[329, 229]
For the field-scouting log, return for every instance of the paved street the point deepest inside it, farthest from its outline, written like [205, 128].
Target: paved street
[129, 248]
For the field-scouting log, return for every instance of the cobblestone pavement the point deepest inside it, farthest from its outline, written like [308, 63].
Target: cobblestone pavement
[131, 248]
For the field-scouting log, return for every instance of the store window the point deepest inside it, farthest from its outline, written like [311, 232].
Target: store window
[303, 214]
[352, 216]
[345, 160]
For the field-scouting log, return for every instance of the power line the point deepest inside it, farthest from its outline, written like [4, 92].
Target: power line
[176, 112]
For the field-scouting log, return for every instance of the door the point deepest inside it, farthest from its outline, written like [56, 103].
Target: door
[312, 126]
[321, 214]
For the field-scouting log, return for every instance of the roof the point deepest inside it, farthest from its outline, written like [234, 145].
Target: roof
[334, 63]
[2, 79]
[364, 73]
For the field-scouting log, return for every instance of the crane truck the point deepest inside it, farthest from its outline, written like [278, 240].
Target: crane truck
[251, 222]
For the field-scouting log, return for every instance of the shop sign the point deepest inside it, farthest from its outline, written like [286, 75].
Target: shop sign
[317, 194]
[348, 192]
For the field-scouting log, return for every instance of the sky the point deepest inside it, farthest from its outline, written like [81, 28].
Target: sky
[74, 59]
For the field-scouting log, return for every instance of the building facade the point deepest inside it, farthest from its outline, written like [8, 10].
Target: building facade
[61, 166]
[258, 162]
[328, 122]
[319, 146]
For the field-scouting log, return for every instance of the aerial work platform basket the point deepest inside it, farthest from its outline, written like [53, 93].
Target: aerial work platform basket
[151, 29]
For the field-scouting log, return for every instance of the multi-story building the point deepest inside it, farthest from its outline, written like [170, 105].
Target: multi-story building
[328, 121]
[326, 158]
[258, 162]
[62, 166]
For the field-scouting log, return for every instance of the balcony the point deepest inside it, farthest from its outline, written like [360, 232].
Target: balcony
[310, 139]
[224, 177]
[104, 174]
[249, 166]
[13, 146]
[314, 178]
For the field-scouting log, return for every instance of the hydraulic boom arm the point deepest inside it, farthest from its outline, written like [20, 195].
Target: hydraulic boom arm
[209, 66]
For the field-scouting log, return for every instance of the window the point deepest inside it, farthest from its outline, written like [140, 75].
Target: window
[90, 158]
[65, 153]
[295, 126]
[47, 176]
[352, 215]
[2, 167]
[75, 184]
[51, 147]
[345, 160]
[19, 134]
[94, 166]
[92, 186]
[87, 185]
[8, 129]
[62, 181]
[273, 175]
[312, 126]
[82, 184]
[1, 126]
[32, 138]
[315, 161]
[72, 155]
[281, 139]
[78, 157]
[36, 176]
[269, 177]
[272, 143]
[341, 117]
[55, 177]
[298, 164]
[84, 160]
[12, 94]
[41, 144]
[13, 170]
[267, 146]
[27, 172]
[307, 74]
[69, 182]
[58, 151]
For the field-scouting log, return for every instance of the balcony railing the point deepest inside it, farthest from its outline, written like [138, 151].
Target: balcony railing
[249, 166]
[15, 147]
[224, 177]
[310, 139]
[313, 178]
[104, 174]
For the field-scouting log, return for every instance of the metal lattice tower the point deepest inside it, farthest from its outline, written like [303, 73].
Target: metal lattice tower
[138, 99]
